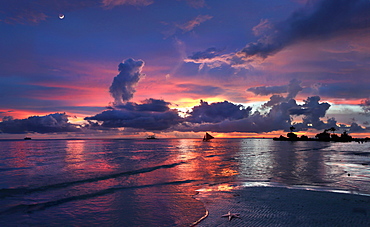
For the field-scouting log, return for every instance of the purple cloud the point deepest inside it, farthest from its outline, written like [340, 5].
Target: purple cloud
[313, 111]
[123, 86]
[324, 20]
[292, 89]
[207, 54]
[57, 122]
[230, 119]
[190, 25]
[152, 114]
[153, 105]
[356, 128]
[217, 112]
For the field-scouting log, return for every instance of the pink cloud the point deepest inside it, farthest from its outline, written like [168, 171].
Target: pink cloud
[190, 25]
[262, 27]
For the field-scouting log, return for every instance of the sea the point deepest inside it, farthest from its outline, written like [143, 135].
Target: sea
[139, 182]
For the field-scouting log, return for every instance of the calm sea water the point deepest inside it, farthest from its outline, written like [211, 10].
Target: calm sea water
[151, 182]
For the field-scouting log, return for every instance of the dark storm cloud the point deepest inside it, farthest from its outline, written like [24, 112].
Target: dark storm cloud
[152, 114]
[275, 99]
[355, 128]
[268, 90]
[224, 116]
[123, 86]
[280, 110]
[345, 90]
[218, 117]
[217, 112]
[57, 122]
[286, 107]
[154, 105]
[312, 111]
[279, 117]
[326, 19]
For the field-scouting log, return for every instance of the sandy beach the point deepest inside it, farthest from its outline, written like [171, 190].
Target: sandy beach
[278, 206]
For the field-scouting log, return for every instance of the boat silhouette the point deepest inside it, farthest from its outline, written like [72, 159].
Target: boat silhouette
[207, 137]
[152, 137]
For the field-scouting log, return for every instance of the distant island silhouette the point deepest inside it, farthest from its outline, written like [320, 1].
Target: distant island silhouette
[323, 136]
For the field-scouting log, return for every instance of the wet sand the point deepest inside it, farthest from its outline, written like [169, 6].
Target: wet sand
[275, 206]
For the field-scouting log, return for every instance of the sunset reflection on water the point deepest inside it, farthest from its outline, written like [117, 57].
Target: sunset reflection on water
[140, 182]
[79, 157]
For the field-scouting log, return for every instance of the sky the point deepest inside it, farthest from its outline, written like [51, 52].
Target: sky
[178, 68]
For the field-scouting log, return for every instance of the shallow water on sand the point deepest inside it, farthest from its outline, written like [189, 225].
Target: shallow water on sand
[151, 182]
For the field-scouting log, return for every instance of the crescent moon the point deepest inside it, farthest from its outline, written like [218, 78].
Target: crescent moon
[61, 16]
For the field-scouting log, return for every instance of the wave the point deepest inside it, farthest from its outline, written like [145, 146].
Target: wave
[29, 208]
[25, 190]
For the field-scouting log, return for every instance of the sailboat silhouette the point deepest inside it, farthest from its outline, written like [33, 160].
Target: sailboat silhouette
[207, 137]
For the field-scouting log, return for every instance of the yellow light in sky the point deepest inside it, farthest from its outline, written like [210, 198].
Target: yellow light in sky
[76, 120]
[185, 105]
[189, 102]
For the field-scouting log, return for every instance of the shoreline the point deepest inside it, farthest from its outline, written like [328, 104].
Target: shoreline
[282, 206]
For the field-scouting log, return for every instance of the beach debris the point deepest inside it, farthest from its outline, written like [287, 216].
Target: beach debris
[231, 215]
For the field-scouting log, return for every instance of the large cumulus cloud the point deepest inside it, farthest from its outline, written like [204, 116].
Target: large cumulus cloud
[57, 122]
[280, 111]
[152, 114]
[217, 112]
[123, 86]
[279, 117]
